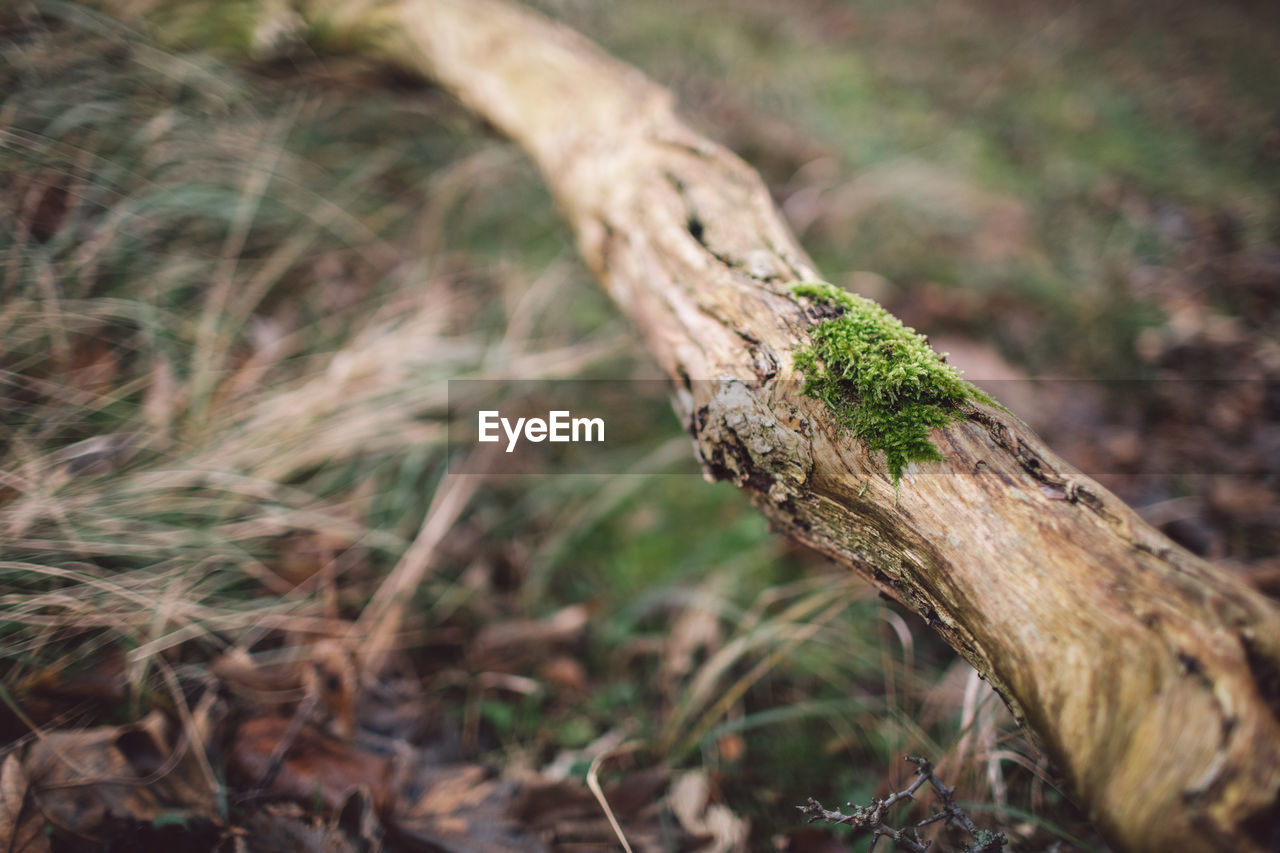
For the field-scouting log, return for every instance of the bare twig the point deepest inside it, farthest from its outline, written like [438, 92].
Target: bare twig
[871, 818]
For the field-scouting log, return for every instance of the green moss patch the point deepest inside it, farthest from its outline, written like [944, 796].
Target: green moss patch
[880, 378]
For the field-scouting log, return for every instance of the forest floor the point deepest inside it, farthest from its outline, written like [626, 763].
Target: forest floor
[233, 291]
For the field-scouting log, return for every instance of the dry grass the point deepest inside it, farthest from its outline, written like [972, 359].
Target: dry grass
[209, 345]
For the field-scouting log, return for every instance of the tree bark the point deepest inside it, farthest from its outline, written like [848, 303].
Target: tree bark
[1151, 677]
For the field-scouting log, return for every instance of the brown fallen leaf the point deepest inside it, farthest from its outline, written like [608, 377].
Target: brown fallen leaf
[96, 783]
[731, 747]
[694, 632]
[565, 673]
[461, 809]
[332, 678]
[316, 767]
[325, 673]
[569, 817]
[22, 830]
[454, 808]
[262, 687]
[56, 693]
[397, 710]
[718, 829]
[290, 827]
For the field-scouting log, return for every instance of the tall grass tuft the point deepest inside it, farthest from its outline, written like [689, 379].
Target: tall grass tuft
[217, 345]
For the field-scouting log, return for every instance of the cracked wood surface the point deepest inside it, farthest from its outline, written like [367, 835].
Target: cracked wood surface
[1150, 676]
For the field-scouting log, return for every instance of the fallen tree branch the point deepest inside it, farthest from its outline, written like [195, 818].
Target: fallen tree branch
[1150, 676]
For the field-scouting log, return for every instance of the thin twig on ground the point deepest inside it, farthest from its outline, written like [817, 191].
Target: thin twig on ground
[871, 818]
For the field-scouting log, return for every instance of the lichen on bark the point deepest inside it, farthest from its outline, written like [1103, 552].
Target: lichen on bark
[880, 378]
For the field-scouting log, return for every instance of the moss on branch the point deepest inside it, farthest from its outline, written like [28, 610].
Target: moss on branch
[881, 379]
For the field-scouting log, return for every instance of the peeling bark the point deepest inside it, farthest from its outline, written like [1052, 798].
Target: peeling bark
[1151, 677]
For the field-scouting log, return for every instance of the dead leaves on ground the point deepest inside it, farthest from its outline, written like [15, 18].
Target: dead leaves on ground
[303, 754]
[86, 787]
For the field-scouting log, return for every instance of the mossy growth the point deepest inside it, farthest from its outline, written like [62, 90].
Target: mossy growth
[880, 378]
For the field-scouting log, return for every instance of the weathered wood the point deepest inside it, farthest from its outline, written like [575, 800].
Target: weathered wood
[1151, 677]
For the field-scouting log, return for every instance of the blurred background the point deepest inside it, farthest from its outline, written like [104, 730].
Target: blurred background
[235, 284]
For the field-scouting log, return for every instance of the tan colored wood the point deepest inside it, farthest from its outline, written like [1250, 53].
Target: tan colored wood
[1151, 677]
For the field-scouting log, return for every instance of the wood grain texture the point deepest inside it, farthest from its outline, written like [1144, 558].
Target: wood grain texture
[1151, 677]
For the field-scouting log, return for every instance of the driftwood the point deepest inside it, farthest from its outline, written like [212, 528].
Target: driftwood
[1150, 676]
